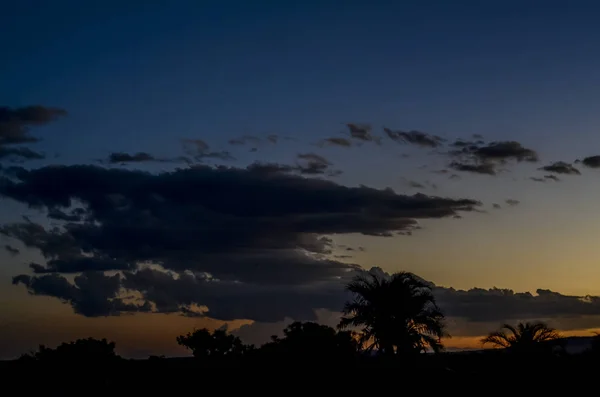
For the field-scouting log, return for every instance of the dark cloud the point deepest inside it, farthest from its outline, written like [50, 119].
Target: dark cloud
[343, 142]
[199, 150]
[560, 167]
[91, 294]
[11, 250]
[512, 202]
[245, 139]
[591, 161]
[255, 233]
[120, 157]
[484, 168]
[507, 150]
[15, 123]
[416, 185]
[496, 206]
[313, 164]
[307, 164]
[362, 132]
[545, 178]
[19, 153]
[504, 305]
[480, 158]
[415, 138]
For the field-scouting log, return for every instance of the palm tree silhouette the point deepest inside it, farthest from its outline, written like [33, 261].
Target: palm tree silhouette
[535, 337]
[397, 314]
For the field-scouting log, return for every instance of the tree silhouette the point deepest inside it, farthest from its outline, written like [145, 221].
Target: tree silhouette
[309, 339]
[595, 344]
[89, 349]
[397, 314]
[535, 337]
[217, 344]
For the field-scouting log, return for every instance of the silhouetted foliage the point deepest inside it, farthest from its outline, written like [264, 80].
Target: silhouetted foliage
[397, 315]
[217, 344]
[313, 341]
[89, 349]
[527, 338]
[594, 348]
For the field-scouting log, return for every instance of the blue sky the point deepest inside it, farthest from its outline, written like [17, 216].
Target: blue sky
[140, 77]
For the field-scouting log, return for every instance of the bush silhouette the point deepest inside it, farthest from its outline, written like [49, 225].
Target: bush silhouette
[217, 344]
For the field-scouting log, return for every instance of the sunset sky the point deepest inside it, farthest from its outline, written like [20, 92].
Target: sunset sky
[249, 157]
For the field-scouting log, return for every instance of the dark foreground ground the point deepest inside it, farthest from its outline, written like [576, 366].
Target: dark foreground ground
[450, 372]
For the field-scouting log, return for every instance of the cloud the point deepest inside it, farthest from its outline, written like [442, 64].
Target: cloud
[91, 294]
[415, 184]
[343, 142]
[498, 305]
[11, 250]
[485, 168]
[506, 150]
[245, 139]
[362, 132]
[417, 138]
[199, 150]
[15, 123]
[312, 164]
[496, 206]
[512, 202]
[19, 152]
[560, 167]
[307, 164]
[480, 158]
[545, 178]
[120, 157]
[253, 232]
[591, 161]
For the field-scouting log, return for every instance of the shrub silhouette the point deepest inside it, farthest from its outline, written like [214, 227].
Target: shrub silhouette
[312, 340]
[217, 344]
[89, 349]
[396, 315]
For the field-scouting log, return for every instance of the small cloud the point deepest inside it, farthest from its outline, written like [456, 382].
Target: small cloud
[11, 250]
[484, 168]
[200, 150]
[16, 122]
[512, 202]
[312, 164]
[591, 161]
[496, 206]
[552, 177]
[121, 157]
[343, 142]
[560, 167]
[20, 152]
[361, 132]
[417, 138]
[245, 139]
[495, 151]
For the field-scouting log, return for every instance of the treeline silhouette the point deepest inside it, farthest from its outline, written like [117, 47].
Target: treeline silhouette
[390, 323]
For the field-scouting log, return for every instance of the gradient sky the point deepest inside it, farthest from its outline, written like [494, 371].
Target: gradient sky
[139, 77]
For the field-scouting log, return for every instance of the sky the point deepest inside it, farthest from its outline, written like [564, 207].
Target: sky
[172, 165]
